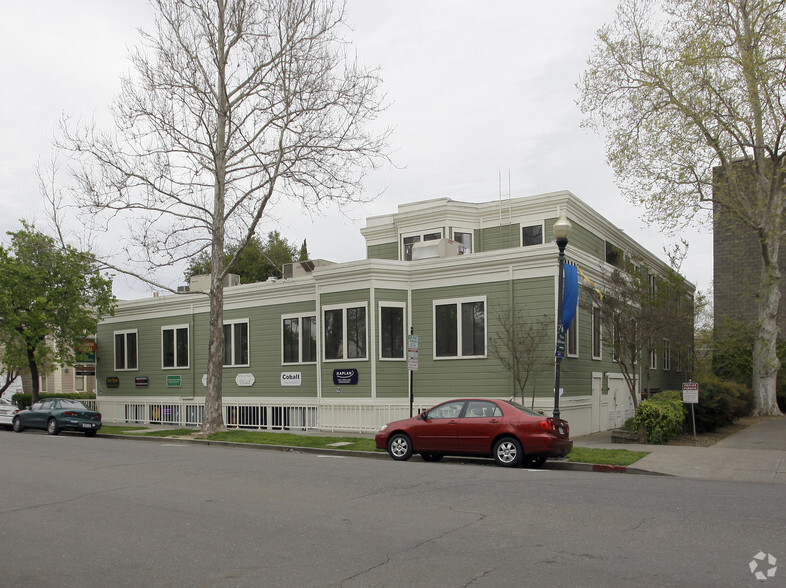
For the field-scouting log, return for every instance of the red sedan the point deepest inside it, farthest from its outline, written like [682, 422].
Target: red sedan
[508, 432]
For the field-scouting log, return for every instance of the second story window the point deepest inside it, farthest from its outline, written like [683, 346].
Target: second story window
[299, 338]
[174, 346]
[345, 332]
[125, 350]
[236, 343]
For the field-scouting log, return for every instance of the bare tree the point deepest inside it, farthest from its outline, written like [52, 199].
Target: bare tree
[522, 345]
[231, 106]
[685, 90]
[638, 310]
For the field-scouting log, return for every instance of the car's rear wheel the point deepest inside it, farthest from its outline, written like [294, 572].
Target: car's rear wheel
[508, 452]
[534, 462]
[400, 447]
[90, 433]
[431, 456]
[52, 428]
[18, 425]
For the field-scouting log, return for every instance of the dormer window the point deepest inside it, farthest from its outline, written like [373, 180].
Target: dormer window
[532, 235]
[465, 239]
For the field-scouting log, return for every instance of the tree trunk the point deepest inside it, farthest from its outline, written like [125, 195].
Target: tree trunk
[765, 358]
[31, 362]
[214, 420]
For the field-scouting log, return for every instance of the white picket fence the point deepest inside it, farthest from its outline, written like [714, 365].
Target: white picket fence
[248, 414]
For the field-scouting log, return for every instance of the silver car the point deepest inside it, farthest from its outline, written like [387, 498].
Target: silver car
[7, 412]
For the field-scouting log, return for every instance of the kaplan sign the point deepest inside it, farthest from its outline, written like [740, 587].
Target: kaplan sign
[345, 376]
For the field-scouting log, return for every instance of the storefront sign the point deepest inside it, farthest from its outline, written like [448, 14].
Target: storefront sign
[141, 381]
[291, 379]
[113, 382]
[345, 376]
[174, 381]
[245, 380]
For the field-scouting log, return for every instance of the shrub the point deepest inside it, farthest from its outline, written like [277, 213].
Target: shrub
[662, 417]
[24, 399]
[720, 403]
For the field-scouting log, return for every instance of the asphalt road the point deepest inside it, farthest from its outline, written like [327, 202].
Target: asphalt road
[111, 512]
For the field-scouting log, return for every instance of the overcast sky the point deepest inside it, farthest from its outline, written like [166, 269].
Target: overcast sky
[477, 90]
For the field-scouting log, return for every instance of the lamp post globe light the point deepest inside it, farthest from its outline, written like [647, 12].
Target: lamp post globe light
[561, 233]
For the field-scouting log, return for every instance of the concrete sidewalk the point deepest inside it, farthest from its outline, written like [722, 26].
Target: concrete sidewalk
[755, 454]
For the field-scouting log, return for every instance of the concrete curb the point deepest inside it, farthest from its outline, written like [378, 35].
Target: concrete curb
[549, 465]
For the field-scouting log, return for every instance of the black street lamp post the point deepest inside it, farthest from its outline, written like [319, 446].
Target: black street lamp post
[561, 233]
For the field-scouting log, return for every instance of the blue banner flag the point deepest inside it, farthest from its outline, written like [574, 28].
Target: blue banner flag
[570, 295]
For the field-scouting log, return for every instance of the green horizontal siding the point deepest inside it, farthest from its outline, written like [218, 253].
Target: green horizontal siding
[382, 251]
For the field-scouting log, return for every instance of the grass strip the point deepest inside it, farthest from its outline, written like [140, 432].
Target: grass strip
[264, 438]
[620, 457]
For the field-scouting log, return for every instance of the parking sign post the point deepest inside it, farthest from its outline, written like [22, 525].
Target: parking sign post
[690, 395]
[412, 365]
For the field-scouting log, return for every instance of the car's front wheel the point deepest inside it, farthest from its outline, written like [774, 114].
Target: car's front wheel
[431, 456]
[508, 452]
[400, 447]
[52, 428]
[18, 425]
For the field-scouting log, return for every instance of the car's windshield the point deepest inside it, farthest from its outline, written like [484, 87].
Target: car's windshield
[524, 409]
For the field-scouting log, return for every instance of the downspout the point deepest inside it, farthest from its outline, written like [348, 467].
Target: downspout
[317, 308]
[372, 348]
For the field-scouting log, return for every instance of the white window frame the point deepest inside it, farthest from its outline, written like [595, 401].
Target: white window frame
[300, 316]
[471, 236]
[458, 302]
[523, 226]
[420, 234]
[124, 333]
[653, 353]
[599, 328]
[175, 328]
[344, 308]
[231, 342]
[403, 308]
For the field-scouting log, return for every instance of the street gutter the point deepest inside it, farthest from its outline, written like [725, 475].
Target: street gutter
[549, 465]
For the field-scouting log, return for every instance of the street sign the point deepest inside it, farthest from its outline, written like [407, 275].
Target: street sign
[412, 353]
[690, 392]
[560, 344]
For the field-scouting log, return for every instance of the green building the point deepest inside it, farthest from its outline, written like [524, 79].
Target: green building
[327, 346]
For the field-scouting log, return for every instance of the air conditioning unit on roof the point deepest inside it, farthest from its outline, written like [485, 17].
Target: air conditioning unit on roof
[436, 248]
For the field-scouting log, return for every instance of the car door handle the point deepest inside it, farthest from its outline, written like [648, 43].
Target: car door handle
[453, 422]
[494, 421]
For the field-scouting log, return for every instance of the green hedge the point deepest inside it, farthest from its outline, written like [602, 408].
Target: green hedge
[662, 417]
[24, 400]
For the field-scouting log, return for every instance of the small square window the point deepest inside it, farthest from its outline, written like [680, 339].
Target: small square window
[532, 235]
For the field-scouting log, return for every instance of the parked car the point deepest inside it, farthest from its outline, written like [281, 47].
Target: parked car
[507, 431]
[7, 412]
[58, 414]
